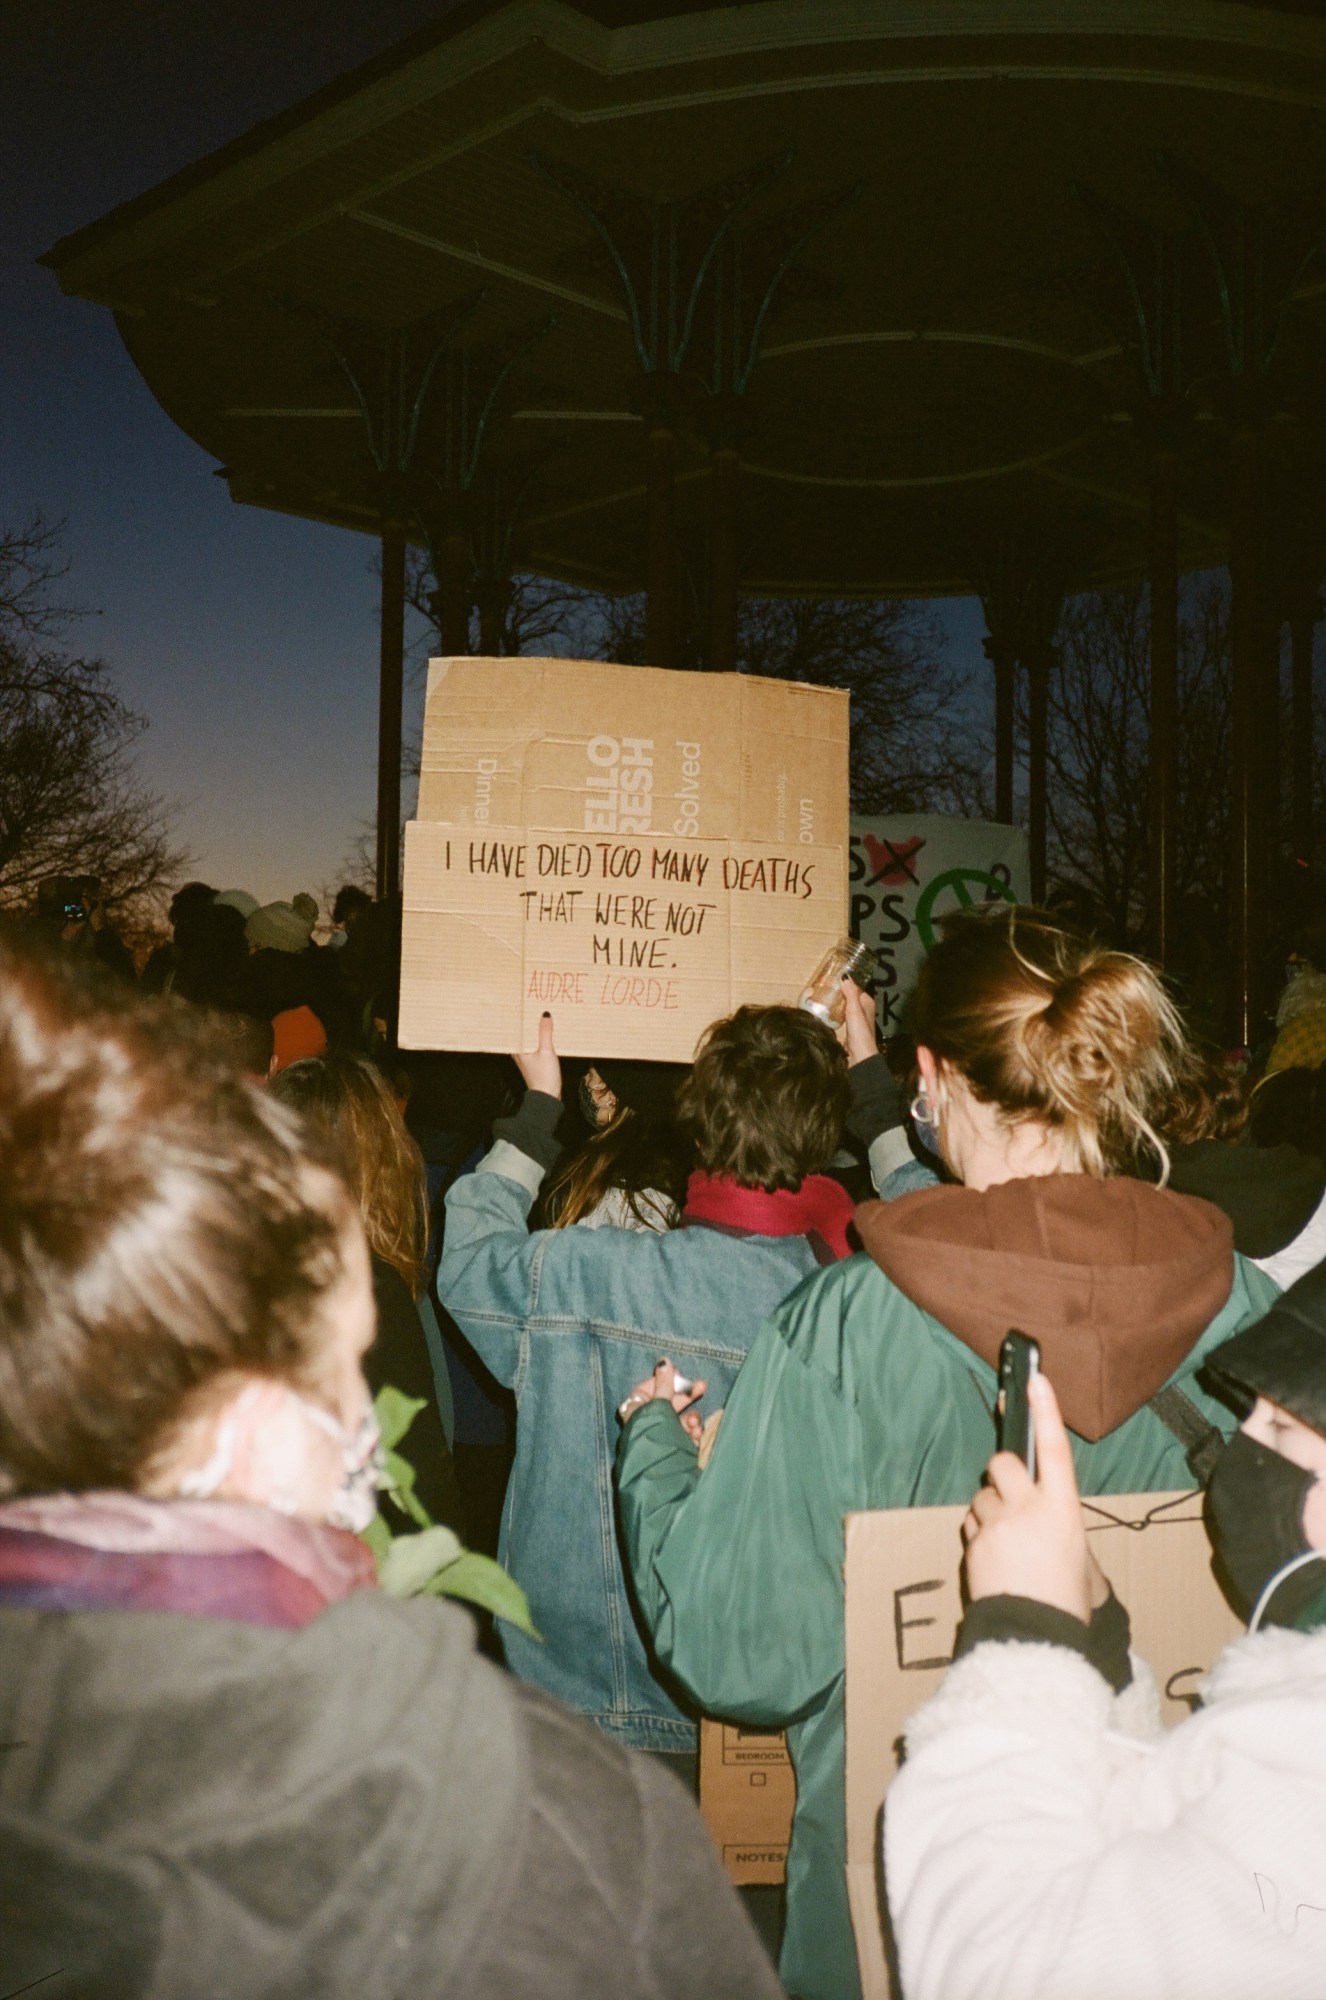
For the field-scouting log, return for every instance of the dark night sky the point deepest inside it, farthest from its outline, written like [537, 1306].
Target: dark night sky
[247, 639]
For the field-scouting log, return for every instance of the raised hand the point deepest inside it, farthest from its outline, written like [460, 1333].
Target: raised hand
[665, 1381]
[1025, 1538]
[859, 1037]
[541, 1068]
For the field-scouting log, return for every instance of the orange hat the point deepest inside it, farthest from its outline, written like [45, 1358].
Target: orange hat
[296, 1033]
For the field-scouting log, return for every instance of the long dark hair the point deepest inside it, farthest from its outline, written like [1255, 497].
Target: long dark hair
[637, 1155]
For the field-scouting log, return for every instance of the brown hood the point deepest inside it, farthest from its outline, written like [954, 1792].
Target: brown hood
[1115, 1279]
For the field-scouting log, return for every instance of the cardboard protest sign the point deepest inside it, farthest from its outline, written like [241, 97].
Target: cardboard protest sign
[747, 1792]
[903, 1610]
[906, 873]
[636, 851]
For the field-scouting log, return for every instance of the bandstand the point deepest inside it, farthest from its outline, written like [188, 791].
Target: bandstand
[826, 297]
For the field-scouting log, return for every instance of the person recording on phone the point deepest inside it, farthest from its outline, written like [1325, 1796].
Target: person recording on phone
[1046, 1836]
[73, 908]
[1044, 1063]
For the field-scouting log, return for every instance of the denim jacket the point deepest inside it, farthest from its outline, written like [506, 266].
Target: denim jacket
[571, 1320]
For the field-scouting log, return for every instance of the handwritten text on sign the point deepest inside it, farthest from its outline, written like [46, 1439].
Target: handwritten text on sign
[594, 929]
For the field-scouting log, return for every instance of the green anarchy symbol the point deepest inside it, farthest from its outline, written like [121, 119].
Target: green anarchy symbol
[960, 881]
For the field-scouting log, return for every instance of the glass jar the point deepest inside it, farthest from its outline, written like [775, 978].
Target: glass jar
[823, 992]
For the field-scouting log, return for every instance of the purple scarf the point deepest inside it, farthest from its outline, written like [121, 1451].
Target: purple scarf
[212, 1558]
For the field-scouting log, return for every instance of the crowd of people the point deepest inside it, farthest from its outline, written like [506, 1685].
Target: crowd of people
[719, 1307]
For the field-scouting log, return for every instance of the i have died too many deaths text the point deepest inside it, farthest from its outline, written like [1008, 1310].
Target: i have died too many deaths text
[637, 928]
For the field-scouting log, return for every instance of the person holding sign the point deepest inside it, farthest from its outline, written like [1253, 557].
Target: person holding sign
[1045, 1065]
[568, 1318]
[1046, 1836]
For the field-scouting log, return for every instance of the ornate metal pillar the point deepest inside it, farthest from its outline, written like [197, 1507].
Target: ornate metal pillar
[1020, 577]
[462, 554]
[1256, 258]
[1302, 640]
[492, 596]
[1163, 575]
[450, 602]
[1001, 651]
[1247, 791]
[753, 266]
[390, 375]
[1153, 265]
[661, 254]
[660, 539]
[724, 472]
[391, 665]
[1038, 659]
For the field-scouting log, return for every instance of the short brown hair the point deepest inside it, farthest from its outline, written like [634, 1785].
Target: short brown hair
[160, 1227]
[347, 1099]
[1045, 1026]
[766, 1099]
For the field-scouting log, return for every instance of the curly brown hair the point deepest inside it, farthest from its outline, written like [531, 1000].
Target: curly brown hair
[348, 1101]
[766, 1099]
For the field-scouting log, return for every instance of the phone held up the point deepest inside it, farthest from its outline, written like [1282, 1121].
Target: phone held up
[1019, 1360]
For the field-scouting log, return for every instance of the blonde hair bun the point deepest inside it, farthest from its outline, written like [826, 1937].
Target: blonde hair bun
[1050, 1028]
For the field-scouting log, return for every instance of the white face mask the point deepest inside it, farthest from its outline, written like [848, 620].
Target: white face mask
[354, 1502]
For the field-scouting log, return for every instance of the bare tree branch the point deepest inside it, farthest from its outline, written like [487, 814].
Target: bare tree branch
[71, 802]
[1099, 753]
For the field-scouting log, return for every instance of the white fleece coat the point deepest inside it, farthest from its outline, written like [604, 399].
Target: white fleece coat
[1045, 1841]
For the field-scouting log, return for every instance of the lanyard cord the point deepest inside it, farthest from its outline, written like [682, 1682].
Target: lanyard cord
[1281, 1576]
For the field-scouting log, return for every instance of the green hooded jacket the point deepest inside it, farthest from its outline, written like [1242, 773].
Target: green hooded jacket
[873, 1386]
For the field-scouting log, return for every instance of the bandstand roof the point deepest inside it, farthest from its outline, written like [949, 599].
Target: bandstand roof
[947, 352]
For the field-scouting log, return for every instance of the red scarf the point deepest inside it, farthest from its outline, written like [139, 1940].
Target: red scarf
[819, 1207]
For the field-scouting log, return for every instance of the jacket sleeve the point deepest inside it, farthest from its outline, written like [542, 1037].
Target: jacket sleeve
[717, 1557]
[1010, 1868]
[488, 1276]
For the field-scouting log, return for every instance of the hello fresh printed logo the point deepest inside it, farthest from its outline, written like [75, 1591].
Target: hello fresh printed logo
[619, 794]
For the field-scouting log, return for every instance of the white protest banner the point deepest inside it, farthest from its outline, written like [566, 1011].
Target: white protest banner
[908, 872]
[903, 1610]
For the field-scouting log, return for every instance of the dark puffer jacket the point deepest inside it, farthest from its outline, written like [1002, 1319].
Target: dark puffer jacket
[192, 1809]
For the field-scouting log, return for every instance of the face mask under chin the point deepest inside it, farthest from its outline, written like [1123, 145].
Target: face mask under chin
[1254, 1514]
[354, 1502]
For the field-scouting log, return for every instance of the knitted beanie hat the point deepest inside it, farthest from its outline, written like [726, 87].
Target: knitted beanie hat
[305, 906]
[1282, 1356]
[278, 927]
[297, 1033]
[237, 899]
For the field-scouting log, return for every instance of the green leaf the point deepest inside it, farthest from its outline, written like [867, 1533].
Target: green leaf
[481, 1581]
[395, 1412]
[398, 1486]
[412, 1562]
[377, 1535]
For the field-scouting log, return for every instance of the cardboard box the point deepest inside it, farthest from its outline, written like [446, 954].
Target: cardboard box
[583, 746]
[747, 1792]
[637, 851]
[903, 1610]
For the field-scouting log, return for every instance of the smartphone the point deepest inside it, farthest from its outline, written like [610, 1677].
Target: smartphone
[1019, 1360]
